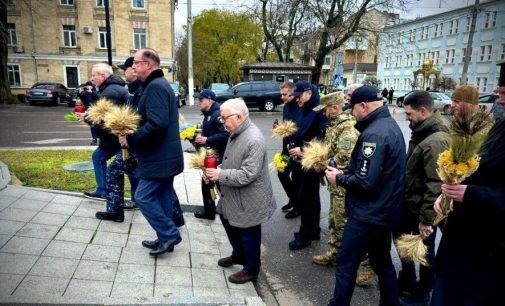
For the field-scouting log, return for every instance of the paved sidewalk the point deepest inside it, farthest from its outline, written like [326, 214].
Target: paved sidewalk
[54, 250]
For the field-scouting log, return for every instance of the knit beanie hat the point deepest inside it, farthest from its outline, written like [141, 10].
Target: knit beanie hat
[466, 93]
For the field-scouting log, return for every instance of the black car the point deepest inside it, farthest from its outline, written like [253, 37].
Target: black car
[262, 94]
[46, 93]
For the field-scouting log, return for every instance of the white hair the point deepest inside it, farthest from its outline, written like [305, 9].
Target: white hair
[103, 68]
[354, 86]
[236, 106]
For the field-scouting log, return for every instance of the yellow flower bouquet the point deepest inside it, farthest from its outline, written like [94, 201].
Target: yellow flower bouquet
[279, 162]
[187, 132]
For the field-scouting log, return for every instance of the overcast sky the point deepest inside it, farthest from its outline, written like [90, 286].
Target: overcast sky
[419, 8]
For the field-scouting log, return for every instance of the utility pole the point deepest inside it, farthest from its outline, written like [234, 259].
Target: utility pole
[468, 53]
[107, 34]
[190, 56]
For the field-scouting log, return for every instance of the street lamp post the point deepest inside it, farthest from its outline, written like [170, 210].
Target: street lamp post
[190, 56]
[107, 29]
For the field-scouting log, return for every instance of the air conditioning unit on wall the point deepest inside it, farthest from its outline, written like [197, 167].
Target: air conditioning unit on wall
[87, 30]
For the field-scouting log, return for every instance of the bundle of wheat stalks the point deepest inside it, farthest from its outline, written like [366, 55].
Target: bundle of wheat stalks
[412, 248]
[196, 160]
[286, 129]
[96, 113]
[315, 156]
[121, 120]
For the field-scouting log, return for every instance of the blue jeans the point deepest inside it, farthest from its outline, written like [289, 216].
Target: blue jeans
[360, 238]
[155, 198]
[100, 158]
[93, 133]
[246, 245]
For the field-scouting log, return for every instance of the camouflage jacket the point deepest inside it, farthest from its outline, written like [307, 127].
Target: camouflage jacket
[340, 137]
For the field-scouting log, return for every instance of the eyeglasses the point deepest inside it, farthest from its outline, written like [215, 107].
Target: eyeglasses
[136, 62]
[222, 119]
[286, 95]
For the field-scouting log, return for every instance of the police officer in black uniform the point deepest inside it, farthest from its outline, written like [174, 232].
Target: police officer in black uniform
[374, 190]
[213, 136]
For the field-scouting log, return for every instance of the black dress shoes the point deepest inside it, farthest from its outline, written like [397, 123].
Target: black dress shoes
[165, 247]
[293, 213]
[179, 221]
[116, 217]
[286, 207]
[299, 244]
[205, 216]
[150, 244]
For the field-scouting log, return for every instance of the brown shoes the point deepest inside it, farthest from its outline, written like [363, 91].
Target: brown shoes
[325, 259]
[242, 278]
[228, 262]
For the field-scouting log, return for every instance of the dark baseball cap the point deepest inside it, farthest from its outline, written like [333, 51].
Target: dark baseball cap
[207, 94]
[301, 87]
[365, 93]
[127, 64]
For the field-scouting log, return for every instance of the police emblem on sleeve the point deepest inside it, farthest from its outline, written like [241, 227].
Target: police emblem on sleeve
[369, 149]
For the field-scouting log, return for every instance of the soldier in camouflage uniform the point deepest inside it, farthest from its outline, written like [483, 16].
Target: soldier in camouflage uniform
[340, 138]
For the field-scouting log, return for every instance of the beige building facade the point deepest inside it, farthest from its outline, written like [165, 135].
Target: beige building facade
[60, 40]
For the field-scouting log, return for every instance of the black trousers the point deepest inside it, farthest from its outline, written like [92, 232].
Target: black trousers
[209, 205]
[307, 200]
[287, 182]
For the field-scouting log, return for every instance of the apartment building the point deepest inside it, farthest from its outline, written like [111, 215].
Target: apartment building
[60, 40]
[443, 39]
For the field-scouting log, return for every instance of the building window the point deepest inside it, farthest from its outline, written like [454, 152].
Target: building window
[100, 3]
[412, 35]
[453, 29]
[138, 4]
[424, 33]
[502, 52]
[66, 2]
[449, 56]
[327, 60]
[438, 29]
[485, 53]
[464, 53]
[102, 37]
[482, 84]
[490, 20]
[435, 56]
[421, 58]
[69, 36]
[10, 2]
[398, 61]
[388, 62]
[409, 60]
[399, 40]
[14, 74]
[390, 39]
[139, 38]
[12, 39]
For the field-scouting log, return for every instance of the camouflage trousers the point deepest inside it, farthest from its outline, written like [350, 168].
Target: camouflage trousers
[337, 217]
[115, 181]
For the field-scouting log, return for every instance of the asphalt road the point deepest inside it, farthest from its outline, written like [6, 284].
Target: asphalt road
[290, 278]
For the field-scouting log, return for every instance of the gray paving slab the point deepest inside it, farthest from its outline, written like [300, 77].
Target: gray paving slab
[65, 249]
[38, 288]
[9, 282]
[142, 229]
[210, 292]
[249, 291]
[114, 227]
[29, 204]
[132, 273]
[4, 239]
[122, 290]
[16, 214]
[202, 246]
[39, 195]
[75, 234]
[54, 267]
[36, 230]
[16, 263]
[138, 217]
[67, 199]
[178, 258]
[165, 291]
[9, 227]
[96, 270]
[209, 278]
[137, 255]
[176, 276]
[102, 253]
[13, 191]
[6, 200]
[60, 208]
[88, 210]
[82, 289]
[83, 223]
[25, 245]
[50, 219]
[204, 261]
[111, 239]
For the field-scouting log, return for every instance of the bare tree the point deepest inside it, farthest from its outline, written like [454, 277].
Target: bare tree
[371, 80]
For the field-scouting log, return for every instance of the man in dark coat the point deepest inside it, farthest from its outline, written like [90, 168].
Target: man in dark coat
[311, 125]
[112, 88]
[384, 93]
[288, 114]
[390, 95]
[158, 150]
[374, 192]
[470, 265]
[215, 137]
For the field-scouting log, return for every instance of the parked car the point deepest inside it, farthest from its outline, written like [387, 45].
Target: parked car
[46, 93]
[441, 100]
[262, 94]
[219, 88]
[180, 96]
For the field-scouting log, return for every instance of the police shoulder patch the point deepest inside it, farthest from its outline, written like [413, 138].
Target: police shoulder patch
[368, 149]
